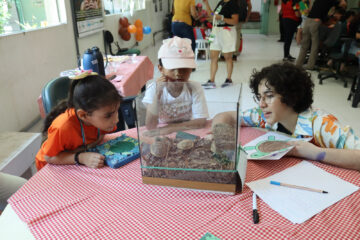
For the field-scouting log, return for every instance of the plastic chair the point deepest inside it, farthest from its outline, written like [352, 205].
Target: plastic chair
[338, 58]
[202, 45]
[55, 91]
[355, 91]
[109, 39]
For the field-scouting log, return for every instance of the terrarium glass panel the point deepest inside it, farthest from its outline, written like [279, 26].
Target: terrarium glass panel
[178, 139]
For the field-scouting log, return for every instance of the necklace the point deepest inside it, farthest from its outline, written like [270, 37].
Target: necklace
[83, 134]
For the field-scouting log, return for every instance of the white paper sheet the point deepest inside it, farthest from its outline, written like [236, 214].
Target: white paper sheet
[299, 205]
[254, 152]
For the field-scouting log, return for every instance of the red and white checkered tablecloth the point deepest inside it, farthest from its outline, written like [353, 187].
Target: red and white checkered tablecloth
[72, 202]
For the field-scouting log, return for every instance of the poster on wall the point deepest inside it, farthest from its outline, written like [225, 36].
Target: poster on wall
[88, 15]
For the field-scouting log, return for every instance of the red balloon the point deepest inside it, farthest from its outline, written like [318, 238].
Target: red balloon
[122, 31]
[124, 22]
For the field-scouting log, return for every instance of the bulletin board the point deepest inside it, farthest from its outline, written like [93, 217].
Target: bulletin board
[88, 17]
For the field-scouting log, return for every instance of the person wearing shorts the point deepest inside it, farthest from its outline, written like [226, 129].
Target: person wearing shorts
[222, 38]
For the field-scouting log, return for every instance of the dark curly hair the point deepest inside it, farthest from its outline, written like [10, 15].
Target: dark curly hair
[294, 84]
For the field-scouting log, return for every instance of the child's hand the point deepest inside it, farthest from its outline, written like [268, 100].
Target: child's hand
[357, 53]
[151, 133]
[91, 159]
[159, 131]
[161, 79]
[303, 149]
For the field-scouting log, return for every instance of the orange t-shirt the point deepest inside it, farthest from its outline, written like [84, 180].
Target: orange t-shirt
[64, 134]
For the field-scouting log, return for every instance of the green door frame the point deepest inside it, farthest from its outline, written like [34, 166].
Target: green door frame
[265, 9]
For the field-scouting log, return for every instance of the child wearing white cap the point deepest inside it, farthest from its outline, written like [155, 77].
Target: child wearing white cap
[172, 99]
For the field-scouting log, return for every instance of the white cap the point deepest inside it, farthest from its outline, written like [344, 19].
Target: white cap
[177, 53]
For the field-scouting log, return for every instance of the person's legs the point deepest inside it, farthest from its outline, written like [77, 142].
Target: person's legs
[229, 64]
[238, 38]
[305, 42]
[9, 184]
[289, 28]
[214, 56]
[314, 32]
[183, 30]
[281, 28]
[287, 36]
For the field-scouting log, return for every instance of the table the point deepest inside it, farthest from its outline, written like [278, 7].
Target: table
[17, 151]
[72, 202]
[132, 76]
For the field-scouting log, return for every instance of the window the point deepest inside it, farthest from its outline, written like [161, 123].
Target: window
[121, 6]
[23, 15]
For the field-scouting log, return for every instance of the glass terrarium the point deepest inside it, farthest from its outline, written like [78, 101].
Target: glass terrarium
[188, 141]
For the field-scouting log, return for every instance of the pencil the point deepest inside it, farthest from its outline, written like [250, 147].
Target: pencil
[297, 187]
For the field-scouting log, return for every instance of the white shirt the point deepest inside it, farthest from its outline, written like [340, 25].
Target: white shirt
[190, 104]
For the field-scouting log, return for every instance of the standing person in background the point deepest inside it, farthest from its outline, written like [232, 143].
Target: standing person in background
[181, 25]
[291, 19]
[317, 14]
[222, 38]
[281, 28]
[304, 7]
[242, 19]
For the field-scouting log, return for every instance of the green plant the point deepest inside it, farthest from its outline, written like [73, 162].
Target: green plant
[4, 14]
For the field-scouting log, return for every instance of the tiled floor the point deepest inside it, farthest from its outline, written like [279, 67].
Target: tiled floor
[259, 51]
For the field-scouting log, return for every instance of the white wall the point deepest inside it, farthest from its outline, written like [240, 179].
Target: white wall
[29, 60]
[256, 5]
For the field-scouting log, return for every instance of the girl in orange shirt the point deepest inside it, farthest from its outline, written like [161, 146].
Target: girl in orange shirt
[80, 123]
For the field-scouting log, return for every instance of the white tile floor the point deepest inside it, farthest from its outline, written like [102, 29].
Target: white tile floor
[259, 51]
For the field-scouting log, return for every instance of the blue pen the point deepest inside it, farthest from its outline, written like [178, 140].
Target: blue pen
[255, 211]
[297, 187]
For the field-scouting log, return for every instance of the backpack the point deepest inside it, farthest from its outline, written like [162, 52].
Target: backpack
[242, 10]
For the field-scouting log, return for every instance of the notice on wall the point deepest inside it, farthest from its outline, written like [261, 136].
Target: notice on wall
[88, 16]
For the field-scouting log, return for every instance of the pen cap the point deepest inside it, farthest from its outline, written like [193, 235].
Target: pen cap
[275, 183]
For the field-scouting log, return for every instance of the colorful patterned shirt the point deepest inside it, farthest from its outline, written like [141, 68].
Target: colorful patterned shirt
[324, 128]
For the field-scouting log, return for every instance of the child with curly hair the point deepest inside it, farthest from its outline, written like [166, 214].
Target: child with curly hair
[284, 93]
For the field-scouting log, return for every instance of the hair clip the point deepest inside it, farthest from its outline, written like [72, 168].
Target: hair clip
[83, 75]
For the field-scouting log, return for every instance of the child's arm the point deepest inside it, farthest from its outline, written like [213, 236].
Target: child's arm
[208, 8]
[345, 158]
[152, 119]
[175, 127]
[89, 159]
[335, 144]
[224, 117]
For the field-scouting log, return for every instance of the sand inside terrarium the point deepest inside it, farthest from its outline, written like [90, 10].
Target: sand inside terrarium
[170, 154]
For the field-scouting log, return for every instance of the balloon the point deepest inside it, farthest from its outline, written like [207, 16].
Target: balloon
[126, 36]
[147, 29]
[139, 36]
[123, 29]
[138, 23]
[139, 31]
[124, 22]
[132, 29]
